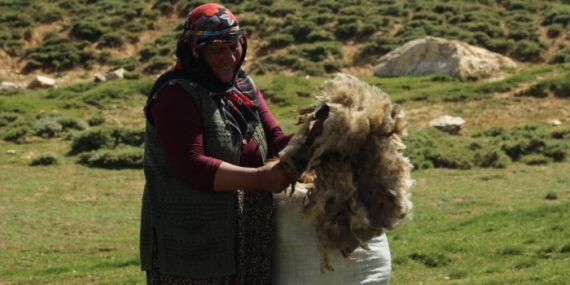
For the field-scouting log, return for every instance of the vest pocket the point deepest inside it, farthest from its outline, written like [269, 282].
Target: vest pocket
[193, 240]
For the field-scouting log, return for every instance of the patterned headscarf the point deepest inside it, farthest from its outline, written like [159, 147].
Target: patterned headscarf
[213, 23]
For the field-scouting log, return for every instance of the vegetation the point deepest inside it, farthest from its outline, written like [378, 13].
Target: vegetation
[489, 204]
[305, 36]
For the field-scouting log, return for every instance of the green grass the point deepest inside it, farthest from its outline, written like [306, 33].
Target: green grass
[485, 227]
[67, 223]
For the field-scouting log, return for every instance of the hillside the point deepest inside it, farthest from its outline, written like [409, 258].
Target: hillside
[73, 39]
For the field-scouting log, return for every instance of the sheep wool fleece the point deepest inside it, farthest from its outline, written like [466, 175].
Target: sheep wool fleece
[194, 228]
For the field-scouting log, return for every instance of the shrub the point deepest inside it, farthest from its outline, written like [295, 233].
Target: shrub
[491, 157]
[321, 18]
[301, 29]
[128, 63]
[349, 29]
[47, 158]
[318, 36]
[48, 127]
[16, 134]
[92, 139]
[451, 158]
[310, 68]
[285, 60]
[114, 159]
[8, 117]
[562, 56]
[279, 40]
[282, 9]
[72, 122]
[554, 30]
[557, 16]
[318, 51]
[560, 88]
[105, 138]
[158, 64]
[96, 119]
[111, 40]
[88, 29]
[527, 51]
[132, 75]
[501, 45]
[551, 195]
[535, 159]
[538, 90]
[557, 150]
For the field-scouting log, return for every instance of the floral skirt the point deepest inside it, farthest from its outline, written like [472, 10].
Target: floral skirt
[253, 227]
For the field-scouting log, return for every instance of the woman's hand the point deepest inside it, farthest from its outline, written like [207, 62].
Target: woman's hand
[272, 178]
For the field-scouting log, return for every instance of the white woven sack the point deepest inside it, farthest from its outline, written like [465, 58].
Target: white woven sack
[296, 259]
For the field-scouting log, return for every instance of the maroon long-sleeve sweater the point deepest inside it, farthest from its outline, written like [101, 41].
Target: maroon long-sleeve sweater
[175, 117]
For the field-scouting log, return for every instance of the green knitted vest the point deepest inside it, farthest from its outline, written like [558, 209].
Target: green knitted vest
[195, 228]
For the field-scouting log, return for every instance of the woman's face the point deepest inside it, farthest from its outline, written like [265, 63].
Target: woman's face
[223, 58]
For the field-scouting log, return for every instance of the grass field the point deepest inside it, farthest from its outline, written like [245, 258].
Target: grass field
[70, 224]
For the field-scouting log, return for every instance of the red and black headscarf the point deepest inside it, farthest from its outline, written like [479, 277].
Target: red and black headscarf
[213, 23]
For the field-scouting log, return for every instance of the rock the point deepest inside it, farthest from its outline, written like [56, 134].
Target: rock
[11, 151]
[432, 55]
[554, 122]
[118, 73]
[8, 86]
[99, 77]
[448, 124]
[41, 82]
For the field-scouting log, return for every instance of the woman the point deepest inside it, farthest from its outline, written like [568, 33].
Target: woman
[208, 134]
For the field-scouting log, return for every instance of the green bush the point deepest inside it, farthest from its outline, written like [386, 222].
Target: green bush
[48, 127]
[320, 36]
[93, 139]
[557, 150]
[284, 60]
[535, 159]
[538, 90]
[47, 158]
[158, 64]
[560, 88]
[132, 75]
[562, 56]
[16, 134]
[318, 51]
[113, 159]
[301, 29]
[96, 119]
[557, 16]
[8, 117]
[105, 138]
[279, 40]
[89, 29]
[551, 195]
[554, 31]
[128, 63]
[112, 40]
[527, 51]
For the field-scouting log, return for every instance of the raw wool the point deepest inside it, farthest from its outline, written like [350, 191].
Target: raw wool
[362, 184]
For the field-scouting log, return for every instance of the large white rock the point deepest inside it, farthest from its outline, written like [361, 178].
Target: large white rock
[432, 55]
[41, 82]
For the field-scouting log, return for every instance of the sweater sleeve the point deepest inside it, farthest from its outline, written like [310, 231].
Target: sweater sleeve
[276, 139]
[178, 125]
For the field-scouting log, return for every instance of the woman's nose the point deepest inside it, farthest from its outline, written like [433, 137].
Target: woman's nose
[229, 56]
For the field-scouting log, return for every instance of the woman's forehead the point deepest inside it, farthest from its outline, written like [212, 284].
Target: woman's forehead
[219, 45]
